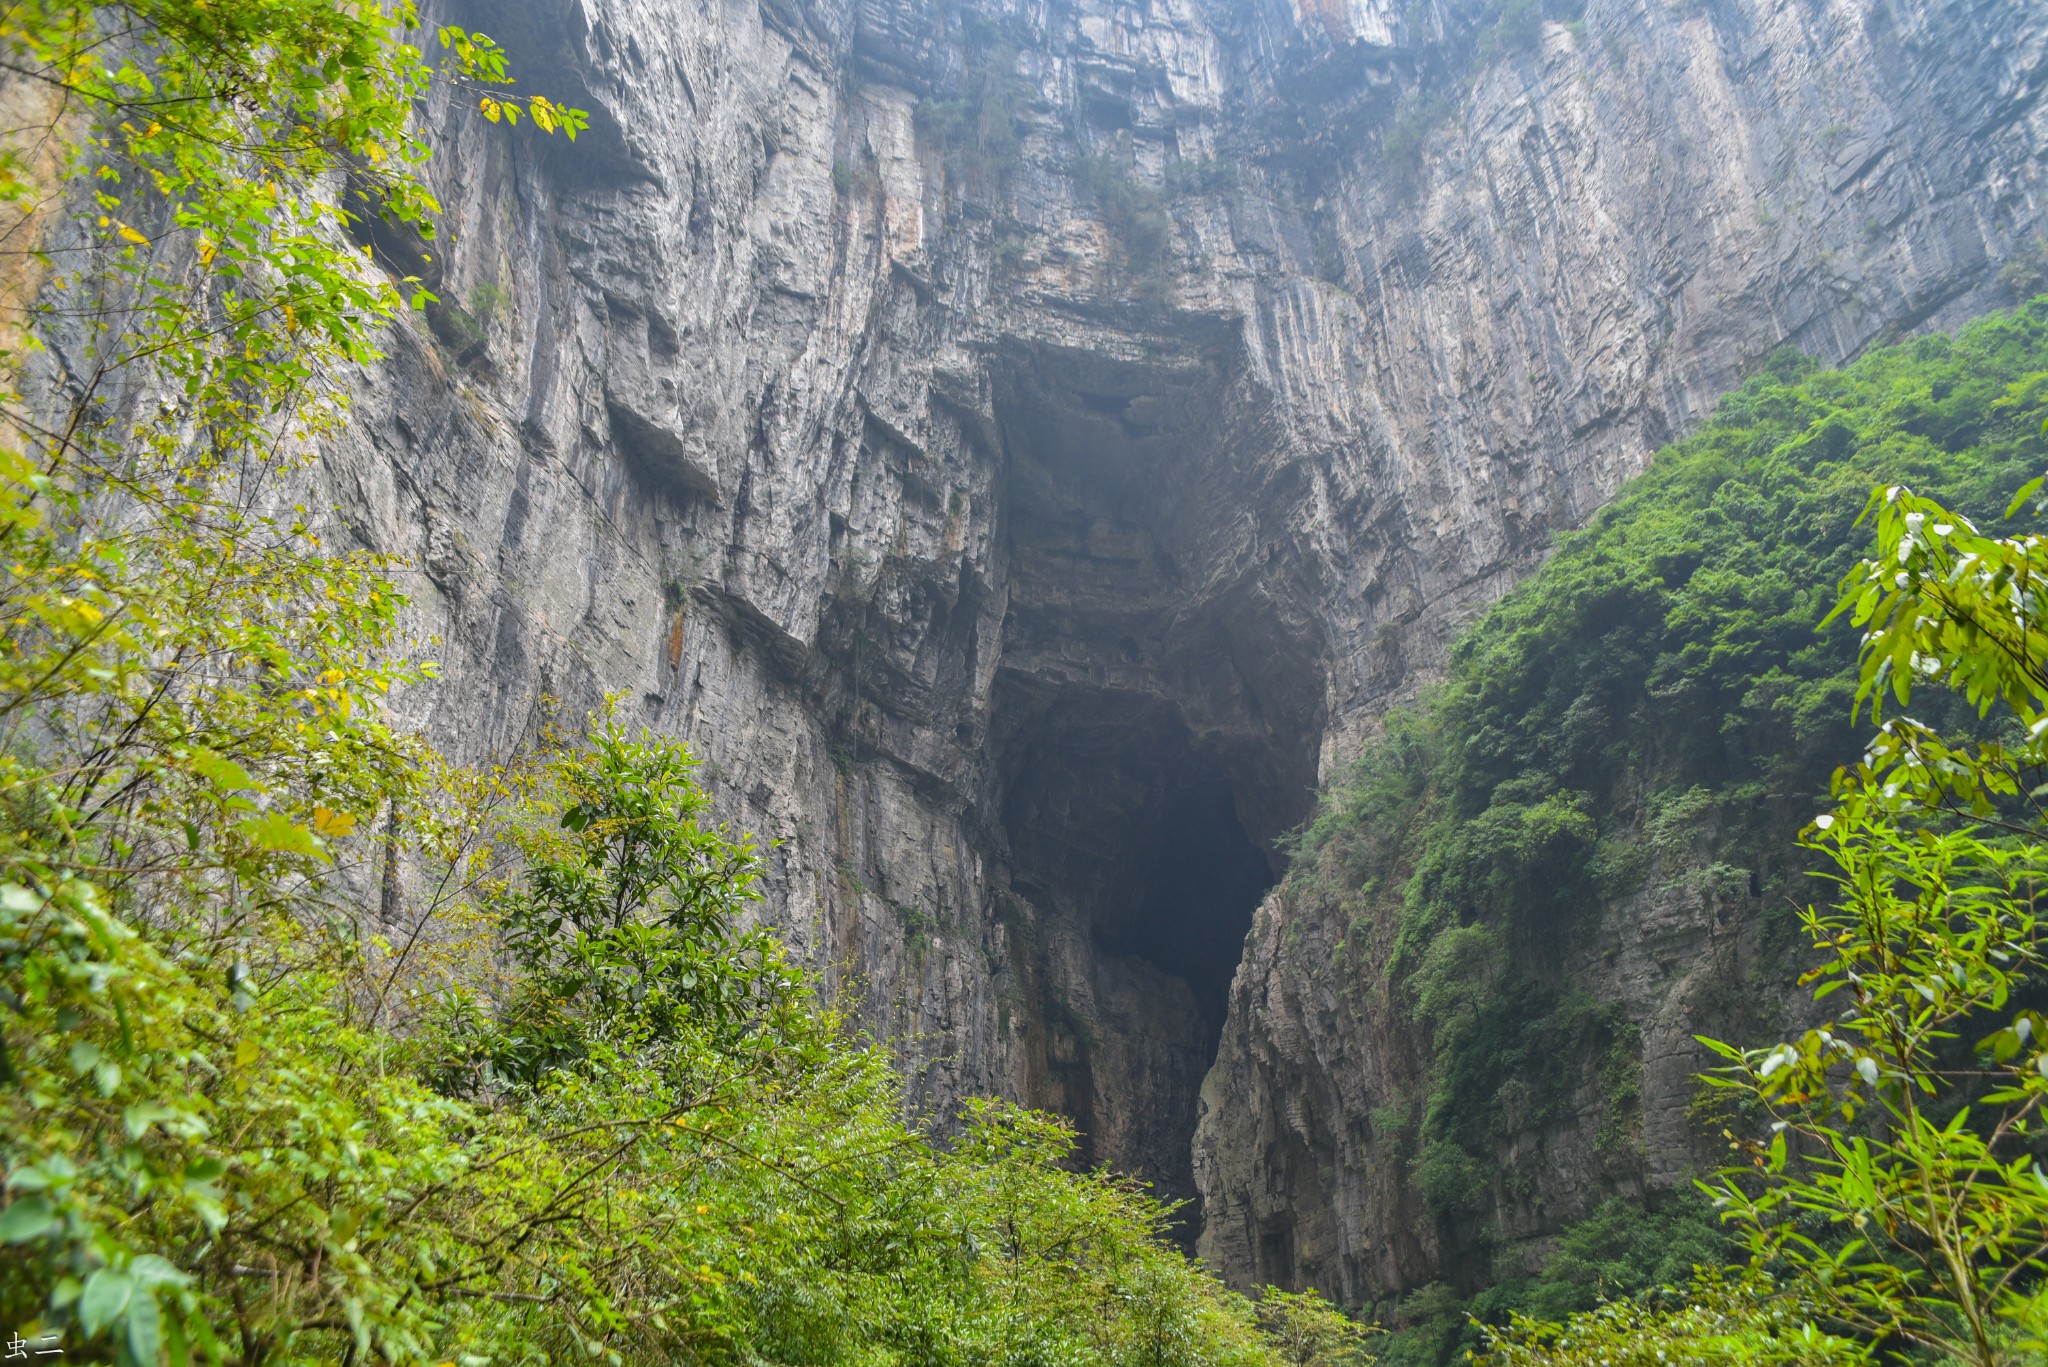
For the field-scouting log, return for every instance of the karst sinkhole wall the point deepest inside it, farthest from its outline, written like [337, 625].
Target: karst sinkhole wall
[1153, 729]
[873, 487]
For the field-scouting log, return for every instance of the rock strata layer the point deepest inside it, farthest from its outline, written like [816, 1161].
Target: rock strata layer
[1022, 450]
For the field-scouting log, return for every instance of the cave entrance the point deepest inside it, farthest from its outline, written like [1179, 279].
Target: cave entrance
[1199, 879]
[1131, 858]
[1154, 725]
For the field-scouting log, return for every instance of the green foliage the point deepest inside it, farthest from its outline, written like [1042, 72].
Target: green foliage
[163, 1131]
[1623, 1249]
[2025, 272]
[1402, 145]
[1721, 1320]
[1200, 176]
[1308, 1331]
[1504, 29]
[980, 132]
[1889, 1177]
[676, 1173]
[626, 910]
[1517, 27]
[1135, 214]
[1652, 712]
[316, 1048]
[1900, 1180]
[1452, 1181]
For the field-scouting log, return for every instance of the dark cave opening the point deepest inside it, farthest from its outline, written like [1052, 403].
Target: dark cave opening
[1154, 726]
[1132, 858]
[1199, 879]
[1122, 819]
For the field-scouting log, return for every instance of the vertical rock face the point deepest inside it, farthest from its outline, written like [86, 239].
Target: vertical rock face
[1016, 532]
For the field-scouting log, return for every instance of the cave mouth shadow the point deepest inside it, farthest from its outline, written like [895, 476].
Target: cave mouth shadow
[1154, 724]
[1129, 843]
[1199, 880]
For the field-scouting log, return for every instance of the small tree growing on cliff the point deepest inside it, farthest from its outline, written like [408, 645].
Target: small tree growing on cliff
[1900, 1183]
[1310, 1332]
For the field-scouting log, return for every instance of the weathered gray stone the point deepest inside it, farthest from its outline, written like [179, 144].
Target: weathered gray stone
[958, 544]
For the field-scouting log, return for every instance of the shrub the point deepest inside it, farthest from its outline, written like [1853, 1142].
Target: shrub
[980, 131]
[1135, 214]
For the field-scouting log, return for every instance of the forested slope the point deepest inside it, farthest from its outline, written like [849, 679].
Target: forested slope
[1482, 975]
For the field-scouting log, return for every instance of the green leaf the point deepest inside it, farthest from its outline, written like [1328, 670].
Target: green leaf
[2027, 491]
[224, 773]
[352, 1310]
[145, 1336]
[28, 1218]
[149, 1269]
[105, 1296]
[137, 1119]
[277, 832]
[178, 1347]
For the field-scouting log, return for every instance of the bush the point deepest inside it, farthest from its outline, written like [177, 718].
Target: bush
[1403, 144]
[980, 131]
[1135, 214]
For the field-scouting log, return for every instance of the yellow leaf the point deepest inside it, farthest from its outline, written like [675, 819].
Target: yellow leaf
[128, 234]
[329, 822]
[277, 833]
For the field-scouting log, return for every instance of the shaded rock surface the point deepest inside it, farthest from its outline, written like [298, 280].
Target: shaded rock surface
[1018, 535]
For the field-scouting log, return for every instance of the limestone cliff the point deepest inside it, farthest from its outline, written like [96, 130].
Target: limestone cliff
[1018, 526]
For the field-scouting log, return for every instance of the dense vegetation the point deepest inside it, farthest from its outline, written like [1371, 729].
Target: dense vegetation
[313, 1046]
[317, 1048]
[1887, 1170]
[1657, 712]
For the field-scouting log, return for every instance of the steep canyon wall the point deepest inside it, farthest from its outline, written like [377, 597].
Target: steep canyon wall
[1023, 449]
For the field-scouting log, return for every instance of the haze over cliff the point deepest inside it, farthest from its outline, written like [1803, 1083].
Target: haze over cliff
[1025, 450]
